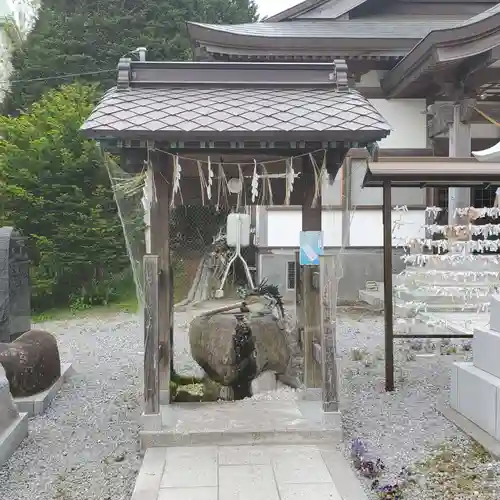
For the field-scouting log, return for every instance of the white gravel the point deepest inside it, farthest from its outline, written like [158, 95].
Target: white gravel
[402, 427]
[86, 446]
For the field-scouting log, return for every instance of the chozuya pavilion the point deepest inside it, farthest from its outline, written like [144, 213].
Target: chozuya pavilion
[315, 85]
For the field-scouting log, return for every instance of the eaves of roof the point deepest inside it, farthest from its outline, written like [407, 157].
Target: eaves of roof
[313, 35]
[477, 36]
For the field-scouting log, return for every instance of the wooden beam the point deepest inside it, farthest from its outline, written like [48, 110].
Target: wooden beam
[299, 300]
[160, 245]
[329, 374]
[151, 335]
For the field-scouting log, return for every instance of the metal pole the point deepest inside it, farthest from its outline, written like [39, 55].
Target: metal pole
[388, 306]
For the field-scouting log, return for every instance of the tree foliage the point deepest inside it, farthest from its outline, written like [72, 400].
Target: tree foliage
[53, 184]
[56, 191]
[72, 37]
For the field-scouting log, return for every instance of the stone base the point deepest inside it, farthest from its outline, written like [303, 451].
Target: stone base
[244, 422]
[37, 404]
[489, 443]
[475, 394]
[11, 437]
[486, 346]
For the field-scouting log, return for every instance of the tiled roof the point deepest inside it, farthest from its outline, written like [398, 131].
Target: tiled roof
[355, 28]
[174, 113]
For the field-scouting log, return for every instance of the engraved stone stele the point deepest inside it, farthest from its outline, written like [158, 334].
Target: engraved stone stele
[31, 362]
[15, 306]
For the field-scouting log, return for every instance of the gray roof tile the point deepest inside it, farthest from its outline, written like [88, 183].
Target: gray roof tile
[212, 111]
[380, 27]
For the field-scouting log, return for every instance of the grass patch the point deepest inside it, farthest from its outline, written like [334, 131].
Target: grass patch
[457, 470]
[125, 299]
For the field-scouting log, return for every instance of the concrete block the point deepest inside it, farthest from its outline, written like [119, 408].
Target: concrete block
[38, 404]
[151, 423]
[495, 312]
[12, 437]
[477, 393]
[454, 387]
[486, 349]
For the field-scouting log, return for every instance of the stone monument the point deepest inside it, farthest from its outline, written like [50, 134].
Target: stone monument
[13, 426]
[475, 386]
[15, 306]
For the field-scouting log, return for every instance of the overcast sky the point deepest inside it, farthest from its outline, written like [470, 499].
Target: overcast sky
[271, 7]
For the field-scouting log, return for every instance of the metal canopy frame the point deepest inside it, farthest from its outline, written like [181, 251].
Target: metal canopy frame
[417, 172]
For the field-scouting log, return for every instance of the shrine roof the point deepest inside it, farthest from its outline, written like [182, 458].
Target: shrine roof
[431, 172]
[469, 51]
[235, 101]
[391, 35]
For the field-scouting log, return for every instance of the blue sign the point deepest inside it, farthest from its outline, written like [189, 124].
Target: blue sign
[311, 247]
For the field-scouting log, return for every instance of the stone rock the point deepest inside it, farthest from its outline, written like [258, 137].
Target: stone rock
[212, 347]
[8, 411]
[31, 362]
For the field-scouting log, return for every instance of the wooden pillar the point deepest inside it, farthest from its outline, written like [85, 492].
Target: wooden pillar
[151, 335]
[160, 245]
[329, 373]
[299, 301]
[460, 147]
[311, 221]
[388, 304]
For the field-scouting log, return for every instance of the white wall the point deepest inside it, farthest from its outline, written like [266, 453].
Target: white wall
[366, 229]
[408, 120]
[284, 226]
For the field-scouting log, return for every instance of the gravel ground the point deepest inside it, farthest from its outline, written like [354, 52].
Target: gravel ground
[86, 446]
[402, 428]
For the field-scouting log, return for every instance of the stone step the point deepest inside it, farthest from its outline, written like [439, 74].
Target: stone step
[246, 422]
[154, 439]
[476, 395]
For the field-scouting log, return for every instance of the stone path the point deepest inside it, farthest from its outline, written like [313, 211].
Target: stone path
[253, 472]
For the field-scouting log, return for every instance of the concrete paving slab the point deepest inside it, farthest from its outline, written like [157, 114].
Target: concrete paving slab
[247, 482]
[206, 493]
[190, 468]
[300, 465]
[250, 472]
[323, 491]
